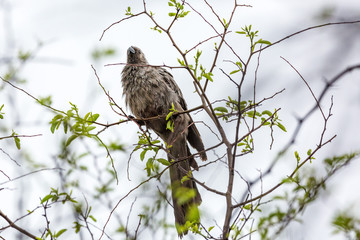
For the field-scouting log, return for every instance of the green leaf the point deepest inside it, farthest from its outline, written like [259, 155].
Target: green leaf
[183, 13]
[55, 122]
[88, 129]
[54, 126]
[77, 227]
[224, 21]
[185, 178]
[182, 63]
[239, 64]
[155, 141]
[17, 142]
[65, 125]
[297, 156]
[149, 166]
[267, 112]
[60, 232]
[171, 14]
[235, 71]
[208, 76]
[57, 117]
[87, 116]
[281, 126]
[101, 53]
[251, 114]
[156, 29]
[128, 11]
[163, 161]
[115, 146]
[210, 228]
[170, 125]
[142, 155]
[92, 218]
[248, 206]
[23, 56]
[46, 101]
[221, 109]
[309, 152]
[94, 117]
[287, 180]
[70, 139]
[240, 32]
[46, 198]
[263, 42]
[169, 115]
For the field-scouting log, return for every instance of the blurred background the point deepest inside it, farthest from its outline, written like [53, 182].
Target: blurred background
[60, 41]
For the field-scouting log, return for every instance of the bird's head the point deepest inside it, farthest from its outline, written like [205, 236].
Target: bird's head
[136, 56]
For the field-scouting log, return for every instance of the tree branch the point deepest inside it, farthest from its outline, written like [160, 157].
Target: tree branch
[13, 225]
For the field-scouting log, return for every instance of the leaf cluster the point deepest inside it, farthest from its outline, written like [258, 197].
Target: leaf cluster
[233, 109]
[79, 126]
[252, 35]
[169, 119]
[198, 67]
[56, 196]
[85, 215]
[305, 188]
[345, 222]
[179, 9]
[147, 145]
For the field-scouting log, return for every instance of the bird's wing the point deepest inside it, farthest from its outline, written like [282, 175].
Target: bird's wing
[193, 134]
[169, 80]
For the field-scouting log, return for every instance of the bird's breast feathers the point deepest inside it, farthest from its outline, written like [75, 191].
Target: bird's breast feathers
[146, 92]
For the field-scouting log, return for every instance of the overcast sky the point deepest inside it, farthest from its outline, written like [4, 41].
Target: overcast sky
[70, 30]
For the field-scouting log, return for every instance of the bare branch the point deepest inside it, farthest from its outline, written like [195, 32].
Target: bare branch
[311, 91]
[30, 173]
[10, 157]
[307, 29]
[281, 183]
[303, 119]
[126, 195]
[115, 23]
[36, 99]
[13, 225]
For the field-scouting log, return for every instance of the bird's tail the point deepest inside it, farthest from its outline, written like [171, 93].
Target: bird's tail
[185, 195]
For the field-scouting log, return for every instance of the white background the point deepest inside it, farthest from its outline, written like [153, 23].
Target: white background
[70, 30]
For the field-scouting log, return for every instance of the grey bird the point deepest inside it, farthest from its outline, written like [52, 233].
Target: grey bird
[149, 92]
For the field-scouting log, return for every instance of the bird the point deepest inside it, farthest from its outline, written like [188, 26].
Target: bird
[150, 92]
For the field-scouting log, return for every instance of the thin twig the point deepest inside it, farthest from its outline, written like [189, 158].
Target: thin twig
[36, 99]
[30, 173]
[303, 119]
[281, 183]
[307, 29]
[115, 23]
[10, 157]
[307, 84]
[20, 136]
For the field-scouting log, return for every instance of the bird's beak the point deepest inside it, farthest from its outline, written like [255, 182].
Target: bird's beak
[131, 50]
